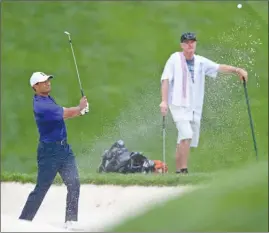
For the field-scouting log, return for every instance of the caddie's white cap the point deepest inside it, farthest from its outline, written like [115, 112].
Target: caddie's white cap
[39, 77]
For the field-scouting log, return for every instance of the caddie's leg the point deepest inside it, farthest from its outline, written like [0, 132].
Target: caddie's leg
[183, 145]
[47, 170]
[70, 176]
[195, 125]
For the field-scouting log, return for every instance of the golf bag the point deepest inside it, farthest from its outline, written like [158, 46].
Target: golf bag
[118, 159]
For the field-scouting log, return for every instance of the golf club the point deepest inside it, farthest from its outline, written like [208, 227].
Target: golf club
[69, 37]
[250, 118]
[164, 144]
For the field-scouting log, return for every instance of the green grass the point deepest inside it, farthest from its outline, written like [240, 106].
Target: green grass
[121, 48]
[236, 201]
[120, 179]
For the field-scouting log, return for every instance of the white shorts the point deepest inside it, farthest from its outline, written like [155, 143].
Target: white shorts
[187, 123]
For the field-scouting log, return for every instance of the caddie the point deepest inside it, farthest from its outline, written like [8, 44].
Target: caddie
[54, 154]
[182, 92]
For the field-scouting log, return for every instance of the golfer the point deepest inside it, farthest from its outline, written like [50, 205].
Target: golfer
[182, 92]
[54, 154]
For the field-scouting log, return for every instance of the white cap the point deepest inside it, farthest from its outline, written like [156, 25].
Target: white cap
[39, 77]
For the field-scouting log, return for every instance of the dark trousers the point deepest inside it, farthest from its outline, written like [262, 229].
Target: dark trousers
[53, 158]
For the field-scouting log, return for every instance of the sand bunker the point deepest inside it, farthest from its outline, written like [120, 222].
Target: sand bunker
[100, 207]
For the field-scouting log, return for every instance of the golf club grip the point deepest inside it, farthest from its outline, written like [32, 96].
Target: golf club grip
[82, 93]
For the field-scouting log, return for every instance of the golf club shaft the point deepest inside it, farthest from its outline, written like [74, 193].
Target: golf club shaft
[164, 143]
[80, 85]
[250, 119]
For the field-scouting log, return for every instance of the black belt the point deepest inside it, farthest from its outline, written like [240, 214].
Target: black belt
[62, 142]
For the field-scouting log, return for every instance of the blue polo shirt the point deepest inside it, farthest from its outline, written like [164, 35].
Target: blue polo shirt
[49, 119]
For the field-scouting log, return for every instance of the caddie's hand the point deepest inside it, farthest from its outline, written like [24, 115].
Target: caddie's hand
[164, 108]
[242, 74]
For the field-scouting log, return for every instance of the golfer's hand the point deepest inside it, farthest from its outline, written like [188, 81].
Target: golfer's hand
[164, 108]
[87, 108]
[83, 104]
[243, 75]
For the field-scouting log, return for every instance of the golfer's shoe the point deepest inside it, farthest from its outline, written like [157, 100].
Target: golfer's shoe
[71, 226]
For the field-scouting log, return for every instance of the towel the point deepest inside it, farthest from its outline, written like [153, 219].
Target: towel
[180, 87]
[182, 92]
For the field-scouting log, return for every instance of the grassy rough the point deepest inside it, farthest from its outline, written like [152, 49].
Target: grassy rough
[236, 201]
[121, 48]
[120, 179]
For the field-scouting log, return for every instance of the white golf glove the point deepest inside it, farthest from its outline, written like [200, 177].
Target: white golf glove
[82, 112]
[85, 110]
